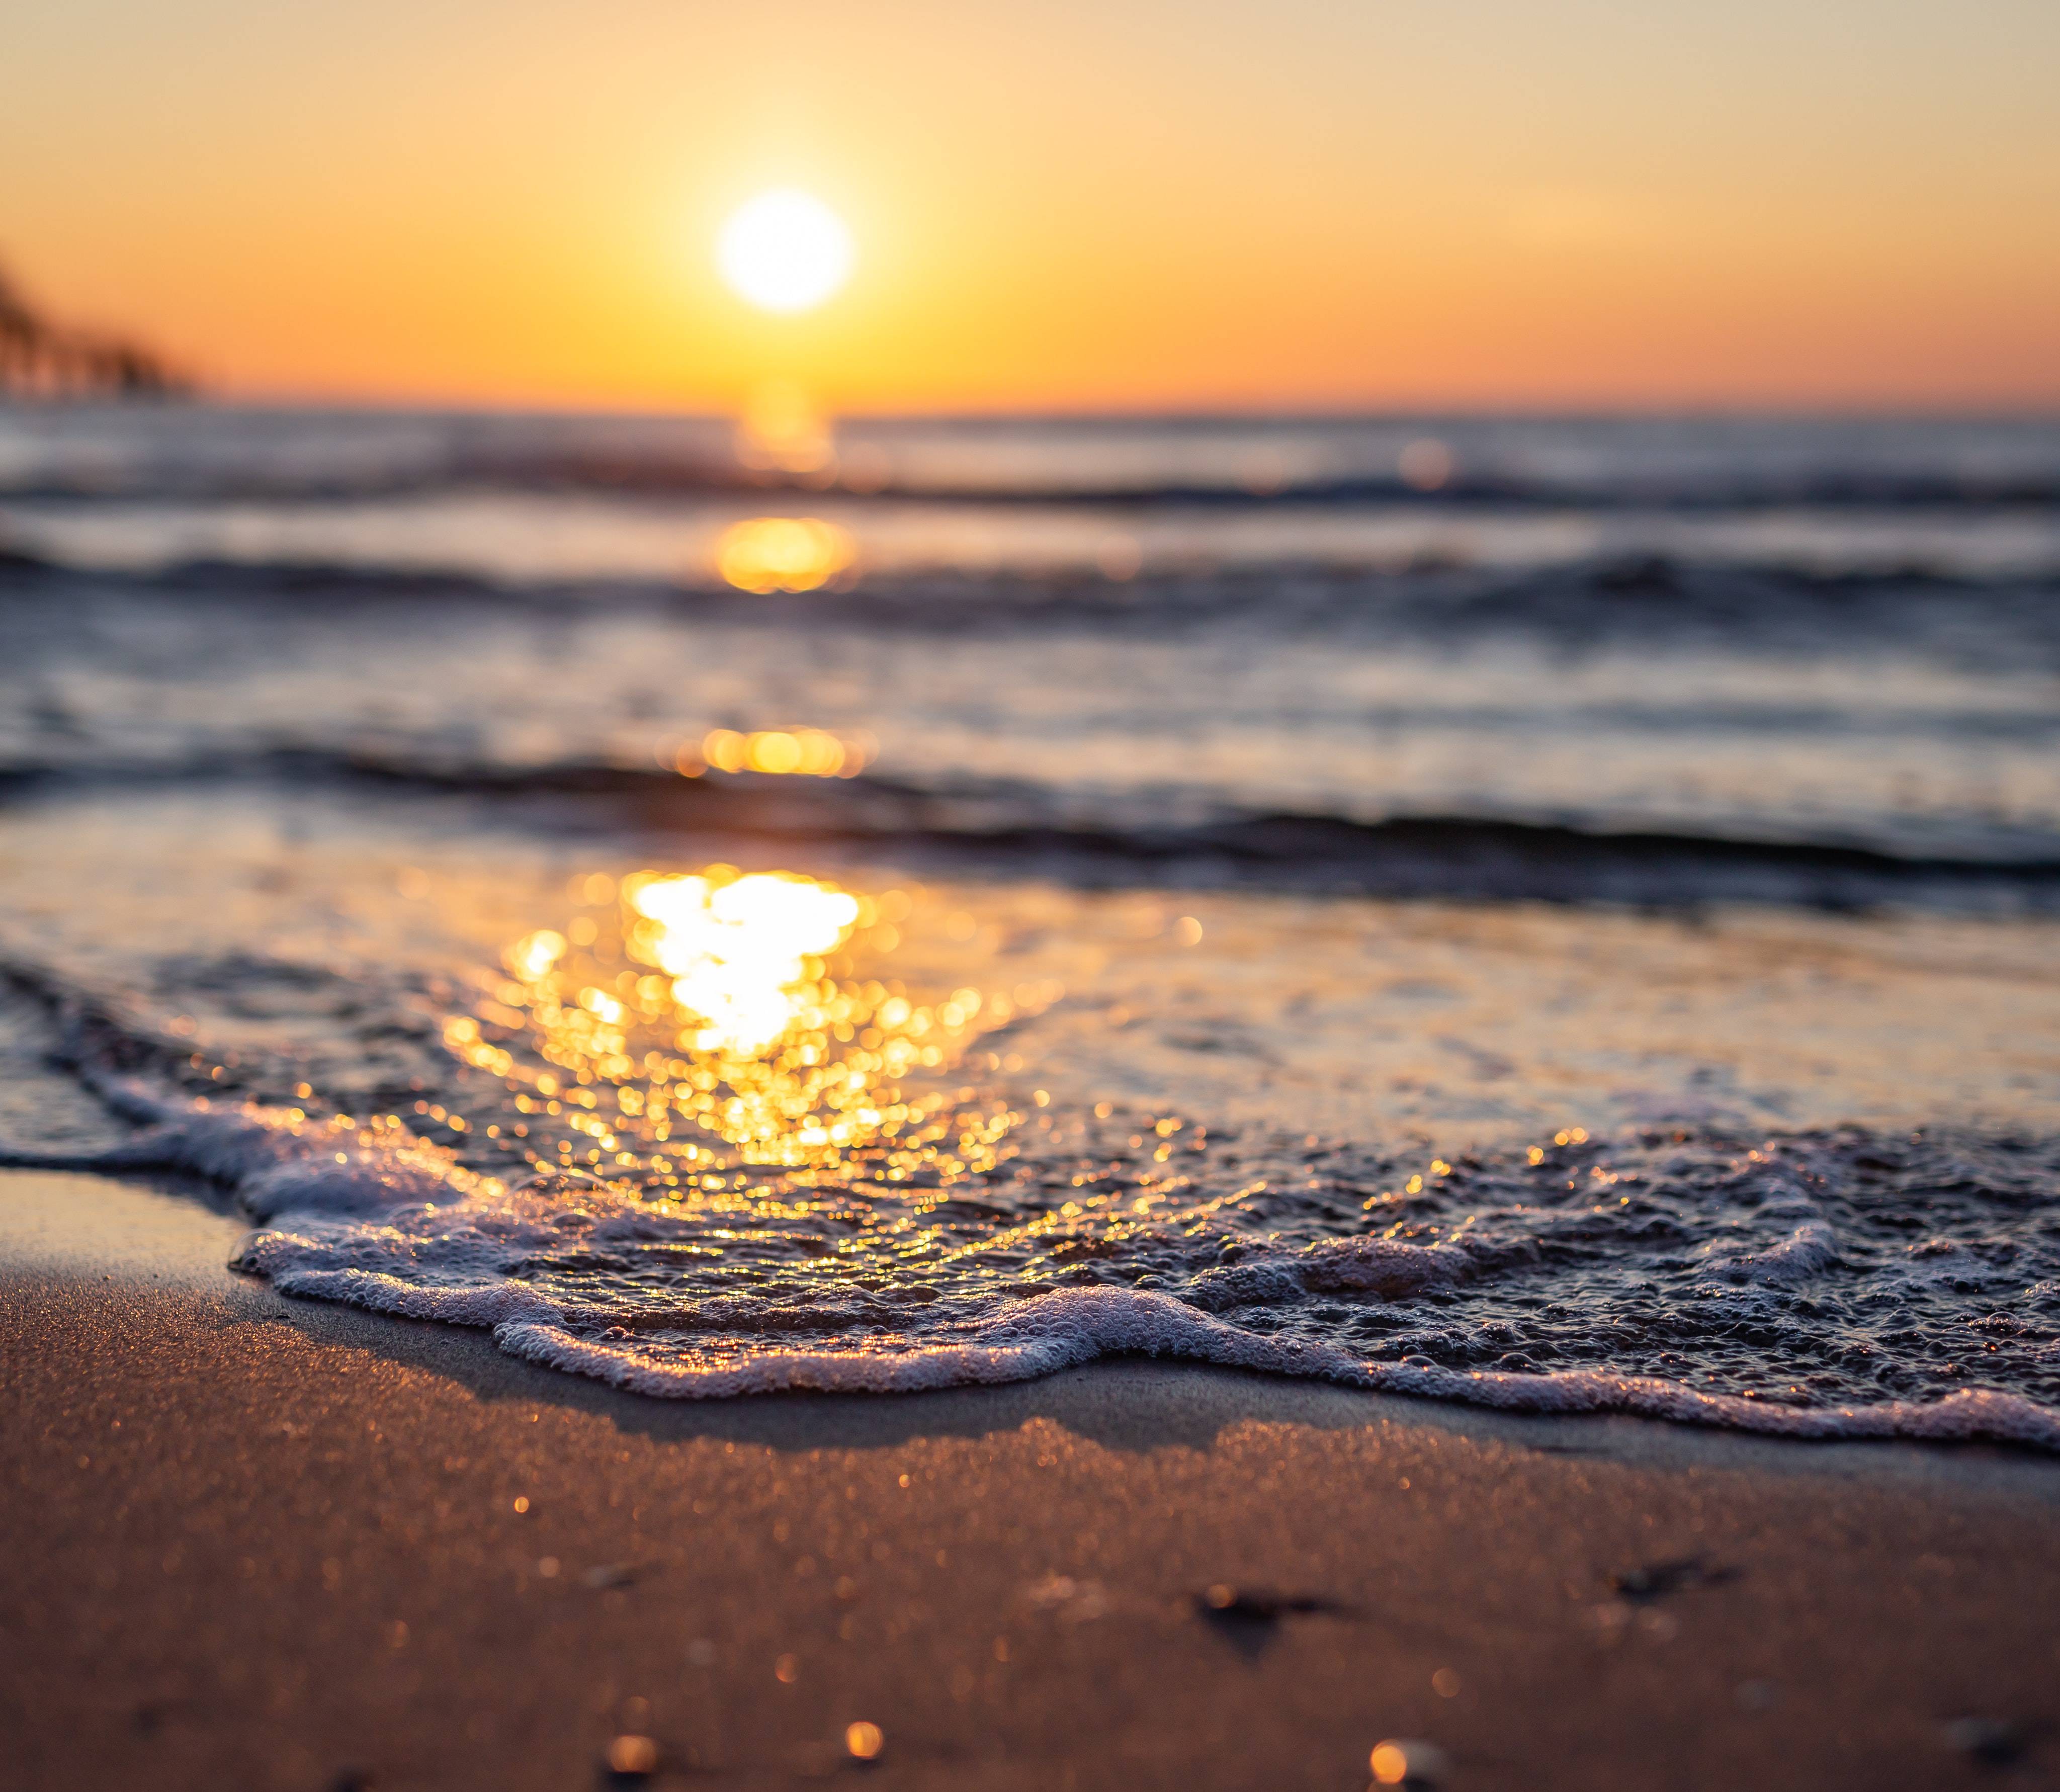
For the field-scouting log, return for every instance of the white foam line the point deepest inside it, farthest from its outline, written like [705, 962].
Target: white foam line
[1072, 1326]
[335, 1186]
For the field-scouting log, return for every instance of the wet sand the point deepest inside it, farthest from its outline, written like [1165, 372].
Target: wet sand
[260, 1542]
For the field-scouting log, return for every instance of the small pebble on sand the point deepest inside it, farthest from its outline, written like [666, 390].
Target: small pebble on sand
[864, 1741]
[632, 1758]
[1398, 1762]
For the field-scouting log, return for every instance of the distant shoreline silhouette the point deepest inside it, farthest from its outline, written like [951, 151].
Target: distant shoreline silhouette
[39, 359]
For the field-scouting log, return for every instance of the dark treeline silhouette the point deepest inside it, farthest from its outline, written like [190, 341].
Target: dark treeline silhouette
[40, 360]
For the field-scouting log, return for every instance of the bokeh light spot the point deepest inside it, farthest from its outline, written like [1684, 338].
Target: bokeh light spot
[782, 553]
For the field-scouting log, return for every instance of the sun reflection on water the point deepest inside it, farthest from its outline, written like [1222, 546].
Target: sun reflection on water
[722, 1026]
[809, 753]
[738, 951]
[748, 1141]
[782, 430]
[782, 553]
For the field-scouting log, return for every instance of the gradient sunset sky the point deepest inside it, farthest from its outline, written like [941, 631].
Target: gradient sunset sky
[1074, 204]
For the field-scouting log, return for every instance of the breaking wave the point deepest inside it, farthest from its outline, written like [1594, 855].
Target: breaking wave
[1817, 1286]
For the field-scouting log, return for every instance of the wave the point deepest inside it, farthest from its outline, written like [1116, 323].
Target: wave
[1570, 595]
[568, 540]
[608, 475]
[1023, 829]
[211, 452]
[365, 1214]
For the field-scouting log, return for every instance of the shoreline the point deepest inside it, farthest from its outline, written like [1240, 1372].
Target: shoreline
[274, 1543]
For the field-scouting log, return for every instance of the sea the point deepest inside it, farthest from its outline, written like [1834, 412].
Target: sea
[1555, 913]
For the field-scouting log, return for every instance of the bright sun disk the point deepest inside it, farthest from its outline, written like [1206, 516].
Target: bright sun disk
[785, 251]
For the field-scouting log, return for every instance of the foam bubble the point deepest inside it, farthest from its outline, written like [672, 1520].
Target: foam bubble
[656, 1299]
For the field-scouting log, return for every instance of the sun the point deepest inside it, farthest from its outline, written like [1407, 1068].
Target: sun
[785, 251]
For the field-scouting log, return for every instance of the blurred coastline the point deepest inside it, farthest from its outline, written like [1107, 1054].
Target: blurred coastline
[43, 360]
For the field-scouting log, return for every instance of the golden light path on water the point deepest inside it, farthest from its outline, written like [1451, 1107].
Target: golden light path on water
[718, 1055]
[765, 554]
[739, 950]
[722, 1024]
[809, 753]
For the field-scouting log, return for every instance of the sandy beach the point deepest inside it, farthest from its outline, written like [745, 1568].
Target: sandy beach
[265, 1543]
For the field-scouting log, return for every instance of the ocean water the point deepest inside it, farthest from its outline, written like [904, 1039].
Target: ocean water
[1557, 914]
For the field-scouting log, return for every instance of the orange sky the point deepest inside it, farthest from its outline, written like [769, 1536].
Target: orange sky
[1311, 203]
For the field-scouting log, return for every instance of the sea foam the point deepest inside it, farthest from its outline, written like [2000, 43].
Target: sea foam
[600, 1282]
